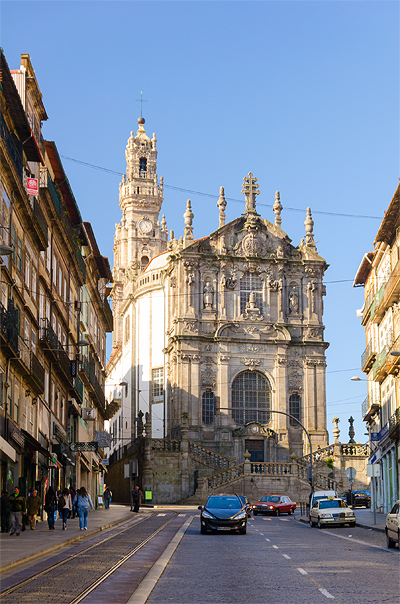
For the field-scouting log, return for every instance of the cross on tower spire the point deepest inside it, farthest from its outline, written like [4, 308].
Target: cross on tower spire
[141, 101]
[250, 190]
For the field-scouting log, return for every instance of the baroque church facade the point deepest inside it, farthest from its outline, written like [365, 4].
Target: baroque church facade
[219, 339]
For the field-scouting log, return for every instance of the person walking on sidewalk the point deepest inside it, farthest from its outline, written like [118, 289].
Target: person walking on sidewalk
[50, 507]
[33, 504]
[136, 498]
[64, 506]
[5, 512]
[17, 505]
[107, 497]
[83, 502]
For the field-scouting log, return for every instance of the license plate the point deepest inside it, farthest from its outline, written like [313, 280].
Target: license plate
[223, 528]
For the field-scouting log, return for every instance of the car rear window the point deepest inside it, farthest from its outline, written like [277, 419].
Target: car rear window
[229, 503]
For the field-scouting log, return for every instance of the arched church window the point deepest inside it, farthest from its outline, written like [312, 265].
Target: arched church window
[250, 282]
[144, 262]
[295, 408]
[208, 408]
[142, 165]
[251, 398]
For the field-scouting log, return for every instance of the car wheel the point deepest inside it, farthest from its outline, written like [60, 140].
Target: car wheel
[352, 524]
[312, 523]
[389, 541]
[255, 513]
[320, 526]
[290, 511]
[203, 530]
[277, 512]
[242, 531]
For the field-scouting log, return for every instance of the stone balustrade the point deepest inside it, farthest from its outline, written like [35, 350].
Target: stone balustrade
[208, 457]
[221, 478]
[165, 444]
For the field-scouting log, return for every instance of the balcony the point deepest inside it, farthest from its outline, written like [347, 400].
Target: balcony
[13, 145]
[9, 330]
[78, 389]
[41, 221]
[114, 405]
[369, 408]
[56, 351]
[394, 424]
[379, 371]
[30, 367]
[368, 358]
[376, 308]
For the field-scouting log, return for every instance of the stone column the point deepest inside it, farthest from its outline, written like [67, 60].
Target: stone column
[185, 456]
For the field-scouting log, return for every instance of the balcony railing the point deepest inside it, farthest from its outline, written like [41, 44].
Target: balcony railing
[369, 407]
[54, 194]
[41, 220]
[377, 301]
[368, 357]
[394, 422]
[78, 386]
[14, 146]
[51, 343]
[9, 326]
[379, 363]
[37, 372]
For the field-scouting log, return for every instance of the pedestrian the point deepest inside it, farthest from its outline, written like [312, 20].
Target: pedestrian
[72, 492]
[107, 497]
[5, 512]
[33, 504]
[64, 507]
[83, 502]
[349, 498]
[50, 507]
[136, 498]
[17, 505]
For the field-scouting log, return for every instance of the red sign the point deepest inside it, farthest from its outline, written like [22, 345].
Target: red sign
[32, 186]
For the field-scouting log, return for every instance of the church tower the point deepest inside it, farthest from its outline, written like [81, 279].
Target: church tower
[139, 236]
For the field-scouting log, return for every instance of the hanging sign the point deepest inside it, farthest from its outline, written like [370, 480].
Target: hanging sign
[32, 186]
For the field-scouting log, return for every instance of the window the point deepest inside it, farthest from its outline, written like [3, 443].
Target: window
[127, 329]
[144, 262]
[295, 409]
[208, 408]
[158, 384]
[142, 165]
[251, 398]
[251, 283]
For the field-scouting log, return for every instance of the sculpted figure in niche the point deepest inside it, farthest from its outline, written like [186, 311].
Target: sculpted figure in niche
[294, 300]
[208, 295]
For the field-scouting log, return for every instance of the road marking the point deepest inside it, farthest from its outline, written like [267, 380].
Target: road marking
[262, 534]
[286, 556]
[326, 593]
[284, 519]
[302, 571]
[384, 549]
[142, 593]
[270, 519]
[275, 547]
[179, 515]
[161, 514]
[267, 539]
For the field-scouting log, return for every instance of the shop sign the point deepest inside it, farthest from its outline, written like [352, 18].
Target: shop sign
[32, 186]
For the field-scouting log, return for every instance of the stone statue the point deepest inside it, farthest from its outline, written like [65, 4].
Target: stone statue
[208, 295]
[293, 300]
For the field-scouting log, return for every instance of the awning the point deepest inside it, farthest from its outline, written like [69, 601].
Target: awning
[35, 444]
[8, 449]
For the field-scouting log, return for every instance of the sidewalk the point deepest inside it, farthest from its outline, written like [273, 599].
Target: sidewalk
[364, 519]
[33, 544]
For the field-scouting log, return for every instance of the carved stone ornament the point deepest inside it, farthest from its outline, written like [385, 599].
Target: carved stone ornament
[208, 360]
[231, 280]
[252, 312]
[295, 380]
[190, 326]
[273, 285]
[248, 348]
[223, 358]
[208, 378]
[253, 428]
[189, 357]
[315, 333]
[252, 244]
[251, 329]
[252, 363]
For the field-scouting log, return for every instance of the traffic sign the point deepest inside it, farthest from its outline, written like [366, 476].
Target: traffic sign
[351, 473]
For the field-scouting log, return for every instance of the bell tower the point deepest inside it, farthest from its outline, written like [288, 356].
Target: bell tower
[140, 235]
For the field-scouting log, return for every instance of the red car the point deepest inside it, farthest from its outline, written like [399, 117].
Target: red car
[274, 504]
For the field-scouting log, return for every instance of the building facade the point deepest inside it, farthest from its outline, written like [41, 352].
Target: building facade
[54, 311]
[219, 339]
[379, 274]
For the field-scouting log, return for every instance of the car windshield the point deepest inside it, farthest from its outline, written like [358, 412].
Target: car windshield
[270, 499]
[361, 493]
[221, 502]
[319, 497]
[332, 503]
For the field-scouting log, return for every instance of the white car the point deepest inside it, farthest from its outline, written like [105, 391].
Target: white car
[331, 511]
[392, 528]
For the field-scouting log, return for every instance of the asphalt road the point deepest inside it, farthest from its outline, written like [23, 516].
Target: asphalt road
[280, 560]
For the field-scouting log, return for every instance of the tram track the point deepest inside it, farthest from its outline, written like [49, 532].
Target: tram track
[69, 581]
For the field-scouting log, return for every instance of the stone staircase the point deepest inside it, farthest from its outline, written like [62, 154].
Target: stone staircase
[208, 457]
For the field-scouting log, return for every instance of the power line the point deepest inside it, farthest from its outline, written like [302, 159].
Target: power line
[212, 196]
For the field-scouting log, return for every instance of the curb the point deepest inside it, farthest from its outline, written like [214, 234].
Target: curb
[44, 552]
[366, 526]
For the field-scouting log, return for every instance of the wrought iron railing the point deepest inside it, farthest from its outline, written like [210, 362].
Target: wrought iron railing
[394, 421]
[37, 371]
[40, 218]
[9, 325]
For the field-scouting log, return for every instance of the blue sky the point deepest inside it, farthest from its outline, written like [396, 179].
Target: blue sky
[303, 94]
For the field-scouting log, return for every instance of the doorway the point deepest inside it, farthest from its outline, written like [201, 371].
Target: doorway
[255, 448]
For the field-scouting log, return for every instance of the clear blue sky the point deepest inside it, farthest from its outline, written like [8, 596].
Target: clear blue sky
[303, 94]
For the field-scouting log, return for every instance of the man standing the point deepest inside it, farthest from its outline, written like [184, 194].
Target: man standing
[136, 498]
[17, 505]
[33, 504]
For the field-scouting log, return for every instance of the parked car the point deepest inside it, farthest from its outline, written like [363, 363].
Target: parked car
[274, 504]
[223, 513]
[246, 503]
[392, 528]
[331, 511]
[361, 498]
[322, 495]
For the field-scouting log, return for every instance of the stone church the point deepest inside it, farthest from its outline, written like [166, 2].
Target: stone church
[218, 339]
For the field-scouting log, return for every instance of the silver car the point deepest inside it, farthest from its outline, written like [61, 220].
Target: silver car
[392, 528]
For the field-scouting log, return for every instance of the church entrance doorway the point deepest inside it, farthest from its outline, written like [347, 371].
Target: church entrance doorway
[255, 448]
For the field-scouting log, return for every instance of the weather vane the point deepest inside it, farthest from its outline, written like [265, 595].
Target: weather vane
[141, 101]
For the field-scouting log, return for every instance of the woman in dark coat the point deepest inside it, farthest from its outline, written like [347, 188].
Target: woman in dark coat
[50, 507]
